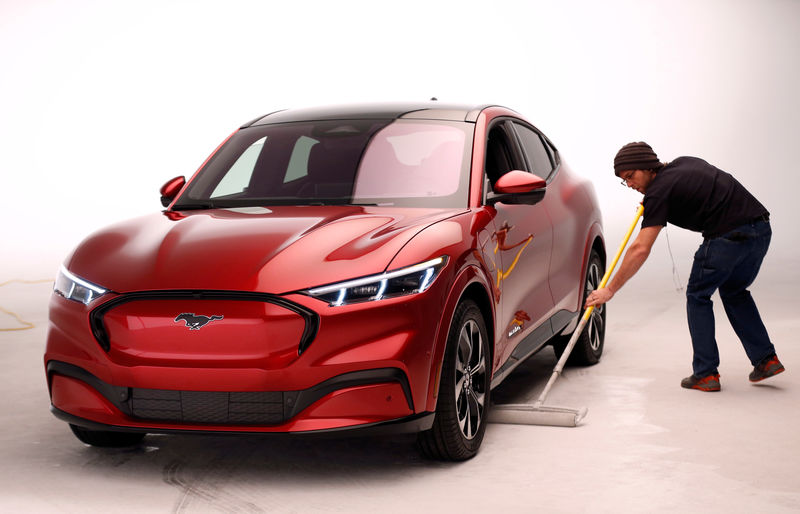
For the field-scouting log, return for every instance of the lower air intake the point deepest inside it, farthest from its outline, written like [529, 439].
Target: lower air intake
[261, 408]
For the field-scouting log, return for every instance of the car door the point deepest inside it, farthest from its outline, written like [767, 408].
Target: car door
[568, 238]
[522, 246]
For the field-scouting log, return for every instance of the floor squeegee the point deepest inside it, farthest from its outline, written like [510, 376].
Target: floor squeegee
[537, 413]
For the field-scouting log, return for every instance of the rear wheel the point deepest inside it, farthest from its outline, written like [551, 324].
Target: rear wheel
[463, 400]
[106, 439]
[589, 347]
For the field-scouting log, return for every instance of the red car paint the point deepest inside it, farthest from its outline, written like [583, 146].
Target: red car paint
[256, 249]
[246, 273]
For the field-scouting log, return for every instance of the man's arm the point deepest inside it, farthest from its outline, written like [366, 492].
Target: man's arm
[633, 260]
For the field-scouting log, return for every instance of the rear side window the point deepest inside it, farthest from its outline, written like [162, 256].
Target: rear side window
[538, 156]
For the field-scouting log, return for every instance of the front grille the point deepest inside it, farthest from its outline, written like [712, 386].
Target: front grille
[258, 407]
[142, 303]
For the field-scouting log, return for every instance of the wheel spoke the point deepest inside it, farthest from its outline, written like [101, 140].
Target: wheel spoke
[593, 282]
[478, 417]
[597, 320]
[595, 330]
[480, 398]
[595, 276]
[461, 405]
[465, 344]
[478, 346]
[466, 425]
[479, 370]
[471, 417]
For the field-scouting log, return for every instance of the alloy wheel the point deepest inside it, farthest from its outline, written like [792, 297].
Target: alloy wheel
[596, 321]
[470, 384]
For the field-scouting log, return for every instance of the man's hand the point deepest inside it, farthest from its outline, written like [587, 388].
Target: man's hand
[598, 297]
[633, 260]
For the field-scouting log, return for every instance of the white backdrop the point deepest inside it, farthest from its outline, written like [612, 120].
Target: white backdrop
[102, 102]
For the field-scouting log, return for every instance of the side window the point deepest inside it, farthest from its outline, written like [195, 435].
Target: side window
[499, 156]
[552, 151]
[538, 156]
[237, 178]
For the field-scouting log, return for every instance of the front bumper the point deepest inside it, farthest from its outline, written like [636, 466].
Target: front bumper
[357, 399]
[368, 364]
[409, 425]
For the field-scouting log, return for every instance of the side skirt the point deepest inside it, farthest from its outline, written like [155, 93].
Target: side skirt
[534, 342]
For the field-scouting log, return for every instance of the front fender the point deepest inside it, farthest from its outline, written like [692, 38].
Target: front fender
[471, 280]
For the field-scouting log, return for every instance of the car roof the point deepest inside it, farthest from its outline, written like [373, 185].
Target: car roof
[432, 110]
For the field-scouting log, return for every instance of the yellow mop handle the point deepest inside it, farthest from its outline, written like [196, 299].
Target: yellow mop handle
[577, 332]
[613, 265]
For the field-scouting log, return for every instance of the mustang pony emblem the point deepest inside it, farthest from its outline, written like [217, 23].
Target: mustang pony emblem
[196, 322]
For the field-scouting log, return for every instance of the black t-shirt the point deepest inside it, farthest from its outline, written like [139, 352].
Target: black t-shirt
[693, 194]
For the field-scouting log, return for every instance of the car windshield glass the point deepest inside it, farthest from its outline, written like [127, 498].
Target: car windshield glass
[407, 163]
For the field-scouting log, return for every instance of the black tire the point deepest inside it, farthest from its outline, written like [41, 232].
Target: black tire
[107, 439]
[589, 347]
[464, 390]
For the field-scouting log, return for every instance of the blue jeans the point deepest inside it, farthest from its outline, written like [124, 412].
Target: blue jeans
[729, 263]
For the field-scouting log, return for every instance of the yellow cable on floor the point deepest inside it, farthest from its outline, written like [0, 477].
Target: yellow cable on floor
[28, 324]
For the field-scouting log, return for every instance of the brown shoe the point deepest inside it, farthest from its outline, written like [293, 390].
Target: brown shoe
[708, 384]
[766, 369]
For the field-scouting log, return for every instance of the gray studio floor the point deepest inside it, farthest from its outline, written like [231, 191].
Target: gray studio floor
[646, 446]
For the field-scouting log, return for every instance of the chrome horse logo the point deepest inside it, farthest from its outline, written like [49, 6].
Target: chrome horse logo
[196, 322]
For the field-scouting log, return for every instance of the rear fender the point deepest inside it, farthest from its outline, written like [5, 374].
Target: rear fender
[595, 235]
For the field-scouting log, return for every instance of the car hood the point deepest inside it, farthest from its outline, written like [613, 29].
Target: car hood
[275, 250]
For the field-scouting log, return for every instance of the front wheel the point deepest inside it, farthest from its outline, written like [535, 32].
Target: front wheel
[589, 347]
[463, 402]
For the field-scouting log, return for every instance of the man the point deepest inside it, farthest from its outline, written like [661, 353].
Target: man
[692, 194]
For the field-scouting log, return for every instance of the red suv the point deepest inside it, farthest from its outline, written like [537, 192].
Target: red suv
[371, 267]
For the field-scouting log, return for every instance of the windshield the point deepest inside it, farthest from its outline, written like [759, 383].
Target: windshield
[407, 163]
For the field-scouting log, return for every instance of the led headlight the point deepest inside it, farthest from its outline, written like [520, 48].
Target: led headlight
[411, 280]
[75, 288]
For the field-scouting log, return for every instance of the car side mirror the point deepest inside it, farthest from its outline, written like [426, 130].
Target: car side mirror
[170, 190]
[517, 187]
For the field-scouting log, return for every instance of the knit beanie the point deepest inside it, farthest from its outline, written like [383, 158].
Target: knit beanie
[635, 156]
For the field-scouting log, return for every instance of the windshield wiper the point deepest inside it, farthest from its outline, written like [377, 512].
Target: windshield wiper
[194, 206]
[335, 201]
[260, 203]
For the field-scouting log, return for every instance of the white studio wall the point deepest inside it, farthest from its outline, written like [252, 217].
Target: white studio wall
[102, 102]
